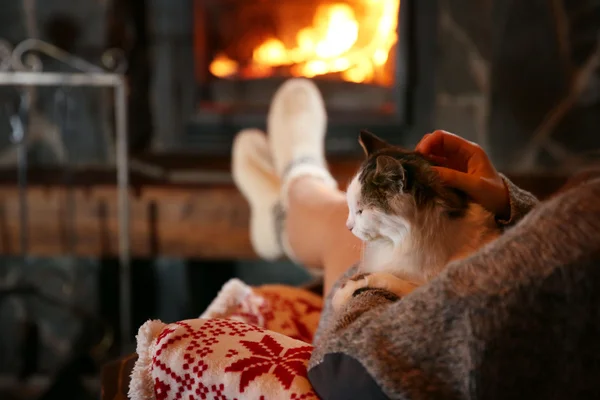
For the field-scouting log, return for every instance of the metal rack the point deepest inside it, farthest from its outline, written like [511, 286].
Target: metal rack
[22, 67]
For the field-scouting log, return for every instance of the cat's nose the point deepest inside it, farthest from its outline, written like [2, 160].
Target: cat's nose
[350, 225]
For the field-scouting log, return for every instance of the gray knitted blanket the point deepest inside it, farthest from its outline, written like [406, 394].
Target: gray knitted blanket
[520, 319]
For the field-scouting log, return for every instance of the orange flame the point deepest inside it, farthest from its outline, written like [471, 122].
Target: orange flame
[355, 47]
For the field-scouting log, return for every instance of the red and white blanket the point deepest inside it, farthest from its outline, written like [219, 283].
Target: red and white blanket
[251, 343]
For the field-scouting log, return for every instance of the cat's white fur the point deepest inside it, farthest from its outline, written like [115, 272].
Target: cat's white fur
[412, 245]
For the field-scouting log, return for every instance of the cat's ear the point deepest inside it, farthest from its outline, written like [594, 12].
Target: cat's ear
[389, 172]
[371, 143]
[386, 165]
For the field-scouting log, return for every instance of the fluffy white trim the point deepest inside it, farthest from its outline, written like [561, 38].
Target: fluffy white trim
[141, 386]
[230, 295]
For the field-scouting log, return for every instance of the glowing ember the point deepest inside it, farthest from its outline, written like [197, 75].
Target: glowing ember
[354, 46]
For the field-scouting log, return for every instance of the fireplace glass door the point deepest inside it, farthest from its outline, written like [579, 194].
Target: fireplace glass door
[246, 48]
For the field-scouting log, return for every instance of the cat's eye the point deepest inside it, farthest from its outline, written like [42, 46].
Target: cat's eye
[358, 212]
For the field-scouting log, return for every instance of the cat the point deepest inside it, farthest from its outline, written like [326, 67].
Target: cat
[411, 224]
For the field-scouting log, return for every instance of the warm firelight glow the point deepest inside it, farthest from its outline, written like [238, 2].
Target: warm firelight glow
[340, 41]
[222, 66]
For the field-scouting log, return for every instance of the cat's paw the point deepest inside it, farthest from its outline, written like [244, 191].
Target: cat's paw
[345, 292]
[376, 280]
[390, 283]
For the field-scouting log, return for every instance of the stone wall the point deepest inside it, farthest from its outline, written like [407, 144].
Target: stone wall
[463, 70]
[521, 79]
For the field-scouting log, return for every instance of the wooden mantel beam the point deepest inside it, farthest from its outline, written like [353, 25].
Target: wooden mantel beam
[183, 222]
[208, 221]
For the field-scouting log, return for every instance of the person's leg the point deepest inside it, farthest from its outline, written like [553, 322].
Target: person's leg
[295, 205]
[315, 231]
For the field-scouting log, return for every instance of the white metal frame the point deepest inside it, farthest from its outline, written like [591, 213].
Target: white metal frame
[20, 67]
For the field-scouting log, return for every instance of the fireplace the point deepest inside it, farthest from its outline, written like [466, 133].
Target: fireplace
[344, 42]
[358, 52]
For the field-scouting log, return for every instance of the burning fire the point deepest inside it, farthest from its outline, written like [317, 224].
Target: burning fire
[355, 48]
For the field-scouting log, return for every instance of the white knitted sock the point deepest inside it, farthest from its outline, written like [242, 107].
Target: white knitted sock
[296, 124]
[255, 177]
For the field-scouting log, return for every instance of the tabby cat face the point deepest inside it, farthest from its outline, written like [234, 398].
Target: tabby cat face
[393, 186]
